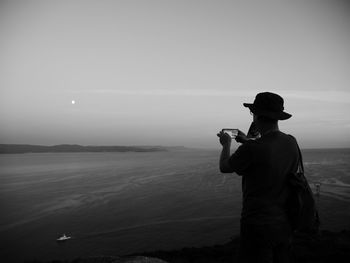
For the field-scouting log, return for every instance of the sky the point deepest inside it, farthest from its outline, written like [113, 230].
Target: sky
[171, 73]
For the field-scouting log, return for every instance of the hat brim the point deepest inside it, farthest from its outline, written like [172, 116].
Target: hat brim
[270, 114]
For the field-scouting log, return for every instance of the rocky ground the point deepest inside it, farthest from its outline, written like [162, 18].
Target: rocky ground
[327, 247]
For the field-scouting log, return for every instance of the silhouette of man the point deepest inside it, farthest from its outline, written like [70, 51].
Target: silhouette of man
[264, 164]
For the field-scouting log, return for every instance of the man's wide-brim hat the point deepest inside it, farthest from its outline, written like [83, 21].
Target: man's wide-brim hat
[269, 105]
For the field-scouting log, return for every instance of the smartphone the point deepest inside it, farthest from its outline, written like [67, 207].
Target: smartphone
[232, 132]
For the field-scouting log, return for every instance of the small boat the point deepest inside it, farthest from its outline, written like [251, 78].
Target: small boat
[63, 238]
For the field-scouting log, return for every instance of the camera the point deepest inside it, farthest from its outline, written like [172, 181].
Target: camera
[232, 132]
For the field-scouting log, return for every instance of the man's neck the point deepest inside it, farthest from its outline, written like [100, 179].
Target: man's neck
[266, 129]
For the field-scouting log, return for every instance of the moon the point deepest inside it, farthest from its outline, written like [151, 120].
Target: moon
[73, 102]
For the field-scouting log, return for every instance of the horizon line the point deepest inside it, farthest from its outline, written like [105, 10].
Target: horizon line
[164, 146]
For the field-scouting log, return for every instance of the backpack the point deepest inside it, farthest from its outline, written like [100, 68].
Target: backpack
[301, 206]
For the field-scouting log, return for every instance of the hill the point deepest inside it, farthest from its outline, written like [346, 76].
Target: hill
[27, 148]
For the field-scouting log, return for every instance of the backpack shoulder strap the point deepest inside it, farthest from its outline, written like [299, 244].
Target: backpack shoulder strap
[300, 164]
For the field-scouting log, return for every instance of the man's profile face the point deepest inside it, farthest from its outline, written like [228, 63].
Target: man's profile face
[255, 117]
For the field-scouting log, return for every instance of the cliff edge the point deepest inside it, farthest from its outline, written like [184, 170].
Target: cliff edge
[327, 247]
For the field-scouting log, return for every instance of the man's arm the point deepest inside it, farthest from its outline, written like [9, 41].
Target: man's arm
[225, 141]
[224, 159]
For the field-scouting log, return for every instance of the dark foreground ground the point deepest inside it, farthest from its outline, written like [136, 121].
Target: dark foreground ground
[327, 247]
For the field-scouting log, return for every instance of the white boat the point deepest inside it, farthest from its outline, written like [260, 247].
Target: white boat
[63, 238]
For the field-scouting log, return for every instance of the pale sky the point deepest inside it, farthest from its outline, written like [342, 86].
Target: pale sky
[171, 72]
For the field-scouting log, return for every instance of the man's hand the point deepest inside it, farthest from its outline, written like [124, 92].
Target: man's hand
[241, 137]
[225, 139]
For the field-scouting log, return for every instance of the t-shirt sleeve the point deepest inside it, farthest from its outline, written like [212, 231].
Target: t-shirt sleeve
[240, 161]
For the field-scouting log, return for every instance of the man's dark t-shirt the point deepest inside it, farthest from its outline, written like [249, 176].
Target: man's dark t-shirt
[264, 164]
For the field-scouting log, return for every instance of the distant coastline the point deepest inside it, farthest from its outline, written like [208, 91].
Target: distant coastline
[27, 148]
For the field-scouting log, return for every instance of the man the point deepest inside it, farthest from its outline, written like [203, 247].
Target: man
[264, 164]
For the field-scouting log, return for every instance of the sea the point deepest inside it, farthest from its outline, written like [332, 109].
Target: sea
[114, 204]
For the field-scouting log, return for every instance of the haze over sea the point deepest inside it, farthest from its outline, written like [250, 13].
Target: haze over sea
[121, 203]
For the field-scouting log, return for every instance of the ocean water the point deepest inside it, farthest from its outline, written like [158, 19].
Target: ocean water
[121, 203]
